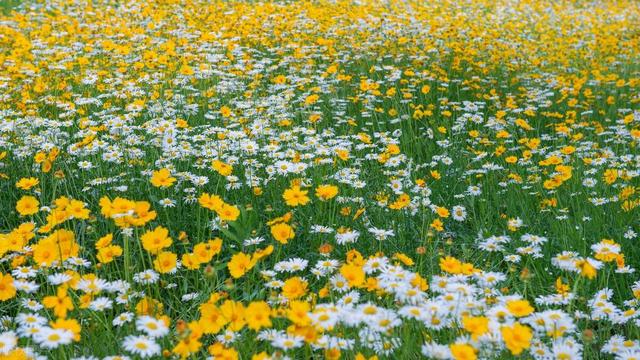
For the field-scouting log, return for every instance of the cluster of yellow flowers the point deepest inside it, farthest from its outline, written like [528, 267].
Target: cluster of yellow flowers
[319, 179]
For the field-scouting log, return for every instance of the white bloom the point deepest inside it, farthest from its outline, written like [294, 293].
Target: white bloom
[8, 341]
[153, 327]
[141, 345]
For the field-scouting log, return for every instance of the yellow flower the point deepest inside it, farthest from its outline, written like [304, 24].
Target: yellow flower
[519, 308]
[46, 166]
[311, 99]
[261, 253]
[190, 344]
[204, 252]
[57, 247]
[211, 202]
[294, 288]
[60, 303]
[451, 265]
[68, 324]
[104, 241]
[326, 192]
[185, 69]
[190, 261]
[218, 351]
[442, 212]
[282, 232]
[225, 111]
[517, 338]
[403, 258]
[27, 183]
[7, 289]
[332, 354]
[294, 196]
[561, 288]
[211, 319]
[280, 79]
[298, 313]
[228, 212]
[182, 124]
[511, 159]
[353, 274]
[586, 269]
[155, 240]
[463, 352]
[27, 205]
[610, 176]
[233, 312]
[162, 178]
[477, 325]
[403, 201]
[165, 262]
[222, 168]
[239, 264]
[437, 225]
[108, 253]
[343, 154]
[257, 315]
[359, 356]
[149, 306]
[76, 209]
[523, 124]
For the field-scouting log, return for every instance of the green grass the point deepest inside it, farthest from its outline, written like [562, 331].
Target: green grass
[445, 151]
[6, 6]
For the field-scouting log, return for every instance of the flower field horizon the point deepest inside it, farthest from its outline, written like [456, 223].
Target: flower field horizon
[322, 179]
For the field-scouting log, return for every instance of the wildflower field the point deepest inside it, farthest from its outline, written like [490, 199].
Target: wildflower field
[321, 179]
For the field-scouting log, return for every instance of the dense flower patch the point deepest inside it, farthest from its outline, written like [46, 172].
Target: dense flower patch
[328, 179]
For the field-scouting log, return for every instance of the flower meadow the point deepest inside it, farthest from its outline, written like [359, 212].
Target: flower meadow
[319, 179]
